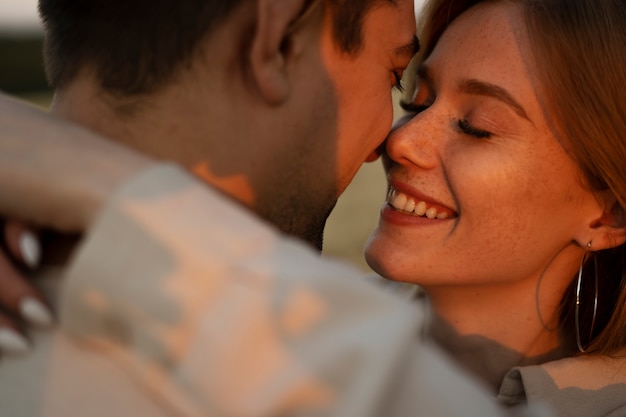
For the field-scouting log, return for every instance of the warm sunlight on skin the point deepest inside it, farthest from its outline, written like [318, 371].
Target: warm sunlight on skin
[238, 184]
[486, 205]
[363, 84]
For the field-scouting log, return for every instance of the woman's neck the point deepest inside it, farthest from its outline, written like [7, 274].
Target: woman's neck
[488, 359]
[491, 330]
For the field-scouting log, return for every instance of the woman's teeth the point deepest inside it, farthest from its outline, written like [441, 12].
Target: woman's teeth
[407, 205]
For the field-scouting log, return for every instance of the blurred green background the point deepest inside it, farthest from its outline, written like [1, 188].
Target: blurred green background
[21, 66]
[21, 41]
[21, 69]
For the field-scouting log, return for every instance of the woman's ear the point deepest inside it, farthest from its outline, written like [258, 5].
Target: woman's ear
[609, 231]
[270, 47]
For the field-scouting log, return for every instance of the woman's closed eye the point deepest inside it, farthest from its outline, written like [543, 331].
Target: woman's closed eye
[470, 130]
[412, 107]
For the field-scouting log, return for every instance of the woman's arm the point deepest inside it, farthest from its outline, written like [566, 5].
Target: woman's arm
[54, 173]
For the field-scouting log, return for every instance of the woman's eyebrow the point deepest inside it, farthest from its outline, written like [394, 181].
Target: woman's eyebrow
[481, 88]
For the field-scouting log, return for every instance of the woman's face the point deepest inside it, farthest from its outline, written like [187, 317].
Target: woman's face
[481, 191]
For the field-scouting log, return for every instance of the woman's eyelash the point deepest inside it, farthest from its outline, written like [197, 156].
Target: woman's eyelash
[464, 125]
[399, 87]
[468, 129]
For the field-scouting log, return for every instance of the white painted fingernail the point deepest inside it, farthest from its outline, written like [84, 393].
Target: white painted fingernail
[33, 311]
[31, 250]
[12, 342]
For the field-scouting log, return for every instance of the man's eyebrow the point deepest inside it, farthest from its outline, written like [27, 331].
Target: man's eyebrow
[410, 49]
[481, 88]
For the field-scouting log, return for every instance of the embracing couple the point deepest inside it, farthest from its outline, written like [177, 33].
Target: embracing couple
[219, 137]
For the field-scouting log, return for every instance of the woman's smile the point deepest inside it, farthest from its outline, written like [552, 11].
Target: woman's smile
[419, 207]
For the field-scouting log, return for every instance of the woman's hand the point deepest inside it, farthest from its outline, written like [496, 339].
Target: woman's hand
[20, 303]
[55, 175]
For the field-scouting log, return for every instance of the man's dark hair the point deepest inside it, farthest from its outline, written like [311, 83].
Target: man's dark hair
[348, 21]
[136, 45]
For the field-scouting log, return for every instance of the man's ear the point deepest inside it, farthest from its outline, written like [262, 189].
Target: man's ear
[270, 47]
[609, 231]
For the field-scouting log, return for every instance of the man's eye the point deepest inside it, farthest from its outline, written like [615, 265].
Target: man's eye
[398, 85]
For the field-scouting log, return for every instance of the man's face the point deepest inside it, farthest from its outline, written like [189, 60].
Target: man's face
[363, 82]
[342, 112]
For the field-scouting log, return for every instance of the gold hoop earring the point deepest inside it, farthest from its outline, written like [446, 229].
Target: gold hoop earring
[595, 301]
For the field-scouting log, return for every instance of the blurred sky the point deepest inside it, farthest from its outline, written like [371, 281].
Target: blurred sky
[418, 4]
[21, 15]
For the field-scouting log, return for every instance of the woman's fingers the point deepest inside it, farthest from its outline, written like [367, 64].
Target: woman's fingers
[35, 312]
[17, 295]
[22, 243]
[12, 342]
[20, 302]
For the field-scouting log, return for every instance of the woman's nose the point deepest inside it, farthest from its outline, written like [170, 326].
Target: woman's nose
[413, 141]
